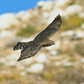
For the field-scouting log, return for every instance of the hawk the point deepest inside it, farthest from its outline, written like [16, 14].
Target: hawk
[29, 49]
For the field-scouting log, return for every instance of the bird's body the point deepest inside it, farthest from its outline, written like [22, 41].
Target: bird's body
[29, 49]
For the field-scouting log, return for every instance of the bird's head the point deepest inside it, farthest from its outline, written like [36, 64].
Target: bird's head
[52, 42]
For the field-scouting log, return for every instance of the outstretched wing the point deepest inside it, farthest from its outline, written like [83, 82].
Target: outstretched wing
[50, 30]
[40, 39]
[25, 53]
[30, 50]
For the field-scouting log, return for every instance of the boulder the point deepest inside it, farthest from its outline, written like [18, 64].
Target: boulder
[35, 68]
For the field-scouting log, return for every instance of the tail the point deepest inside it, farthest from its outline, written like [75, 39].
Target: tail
[21, 45]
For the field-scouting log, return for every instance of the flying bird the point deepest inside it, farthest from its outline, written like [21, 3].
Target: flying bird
[29, 49]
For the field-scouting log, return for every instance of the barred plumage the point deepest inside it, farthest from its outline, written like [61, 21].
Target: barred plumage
[29, 49]
[21, 45]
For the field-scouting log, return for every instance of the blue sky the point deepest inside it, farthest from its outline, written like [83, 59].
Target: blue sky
[14, 6]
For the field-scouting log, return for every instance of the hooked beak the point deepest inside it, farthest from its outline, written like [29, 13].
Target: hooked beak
[53, 43]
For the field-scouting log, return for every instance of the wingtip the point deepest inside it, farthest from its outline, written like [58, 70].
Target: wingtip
[19, 60]
[14, 48]
[22, 58]
[58, 16]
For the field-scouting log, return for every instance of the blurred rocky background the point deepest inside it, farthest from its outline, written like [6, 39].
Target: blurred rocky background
[62, 63]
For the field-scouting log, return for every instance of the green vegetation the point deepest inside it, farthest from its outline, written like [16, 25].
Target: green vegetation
[72, 22]
[47, 76]
[72, 59]
[79, 48]
[29, 30]
[72, 2]
[39, 7]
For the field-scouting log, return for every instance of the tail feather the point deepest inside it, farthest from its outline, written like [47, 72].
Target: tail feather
[21, 45]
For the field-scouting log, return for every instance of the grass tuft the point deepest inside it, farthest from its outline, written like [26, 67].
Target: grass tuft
[29, 30]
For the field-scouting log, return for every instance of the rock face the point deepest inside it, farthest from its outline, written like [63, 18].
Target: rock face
[82, 26]
[35, 68]
[41, 58]
[51, 63]
[23, 15]
[8, 20]
[73, 8]
[5, 33]
[67, 33]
